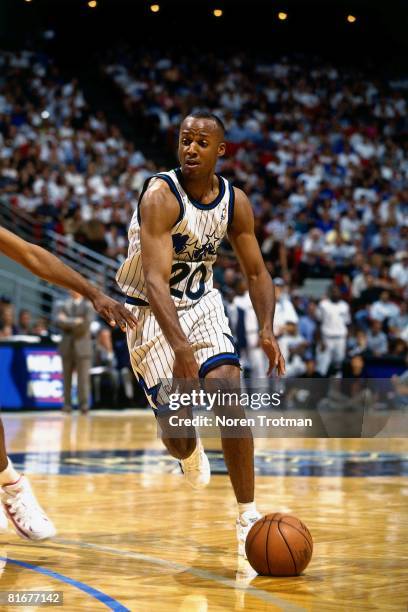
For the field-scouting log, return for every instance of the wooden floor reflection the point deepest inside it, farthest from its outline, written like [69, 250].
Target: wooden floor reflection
[137, 538]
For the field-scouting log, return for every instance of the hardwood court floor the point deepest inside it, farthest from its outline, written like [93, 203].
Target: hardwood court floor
[133, 536]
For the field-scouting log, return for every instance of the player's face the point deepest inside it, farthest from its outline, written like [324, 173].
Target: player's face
[200, 145]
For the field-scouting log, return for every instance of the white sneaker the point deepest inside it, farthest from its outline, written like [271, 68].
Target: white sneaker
[24, 511]
[244, 524]
[3, 520]
[196, 468]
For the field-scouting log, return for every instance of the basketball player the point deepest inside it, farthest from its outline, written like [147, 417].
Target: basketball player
[19, 504]
[182, 331]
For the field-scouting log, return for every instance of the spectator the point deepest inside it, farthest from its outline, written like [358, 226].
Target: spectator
[105, 366]
[74, 317]
[41, 328]
[376, 339]
[360, 282]
[398, 325]
[310, 370]
[308, 323]
[400, 385]
[257, 362]
[399, 269]
[383, 308]
[384, 249]
[9, 327]
[372, 291]
[358, 344]
[293, 347]
[284, 310]
[399, 348]
[24, 322]
[334, 315]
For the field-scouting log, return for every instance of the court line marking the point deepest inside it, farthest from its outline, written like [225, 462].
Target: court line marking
[105, 599]
[200, 573]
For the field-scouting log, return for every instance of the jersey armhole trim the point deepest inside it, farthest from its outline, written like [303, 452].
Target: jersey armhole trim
[231, 205]
[174, 191]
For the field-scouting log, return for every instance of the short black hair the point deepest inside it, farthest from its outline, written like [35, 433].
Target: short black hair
[204, 114]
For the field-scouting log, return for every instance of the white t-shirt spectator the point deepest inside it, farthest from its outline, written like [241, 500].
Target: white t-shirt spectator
[311, 181]
[369, 194]
[358, 285]
[334, 317]
[284, 313]
[365, 149]
[312, 245]
[277, 228]
[349, 225]
[384, 310]
[297, 201]
[346, 159]
[399, 273]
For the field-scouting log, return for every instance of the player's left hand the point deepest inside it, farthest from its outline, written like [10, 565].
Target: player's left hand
[113, 312]
[271, 349]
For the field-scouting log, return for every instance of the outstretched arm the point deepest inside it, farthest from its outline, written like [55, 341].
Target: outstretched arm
[260, 285]
[50, 268]
[158, 212]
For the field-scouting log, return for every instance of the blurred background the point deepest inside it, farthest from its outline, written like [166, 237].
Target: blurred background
[314, 99]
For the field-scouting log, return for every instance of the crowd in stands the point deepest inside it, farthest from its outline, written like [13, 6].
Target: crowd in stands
[319, 150]
[60, 162]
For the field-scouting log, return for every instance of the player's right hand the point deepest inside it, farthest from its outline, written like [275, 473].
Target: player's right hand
[185, 364]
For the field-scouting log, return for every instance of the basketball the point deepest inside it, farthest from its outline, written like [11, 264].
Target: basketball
[279, 545]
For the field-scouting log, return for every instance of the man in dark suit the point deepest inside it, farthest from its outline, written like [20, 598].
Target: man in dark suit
[74, 318]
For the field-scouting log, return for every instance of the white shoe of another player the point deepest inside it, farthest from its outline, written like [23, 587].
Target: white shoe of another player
[23, 510]
[196, 468]
[244, 524]
[3, 520]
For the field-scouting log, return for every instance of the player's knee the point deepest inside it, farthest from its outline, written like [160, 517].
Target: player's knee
[180, 448]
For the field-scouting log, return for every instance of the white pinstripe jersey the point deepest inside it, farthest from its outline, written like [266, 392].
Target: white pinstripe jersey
[196, 237]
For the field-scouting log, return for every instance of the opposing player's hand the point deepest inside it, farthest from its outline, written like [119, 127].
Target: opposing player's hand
[271, 349]
[185, 364]
[113, 312]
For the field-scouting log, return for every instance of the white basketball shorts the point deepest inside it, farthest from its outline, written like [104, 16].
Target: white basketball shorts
[206, 328]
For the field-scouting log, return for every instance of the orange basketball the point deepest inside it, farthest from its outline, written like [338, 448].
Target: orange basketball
[279, 545]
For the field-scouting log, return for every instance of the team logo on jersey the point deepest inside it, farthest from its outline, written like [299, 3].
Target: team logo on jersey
[193, 249]
[180, 243]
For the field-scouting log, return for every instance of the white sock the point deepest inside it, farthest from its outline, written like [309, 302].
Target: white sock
[9, 475]
[250, 506]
